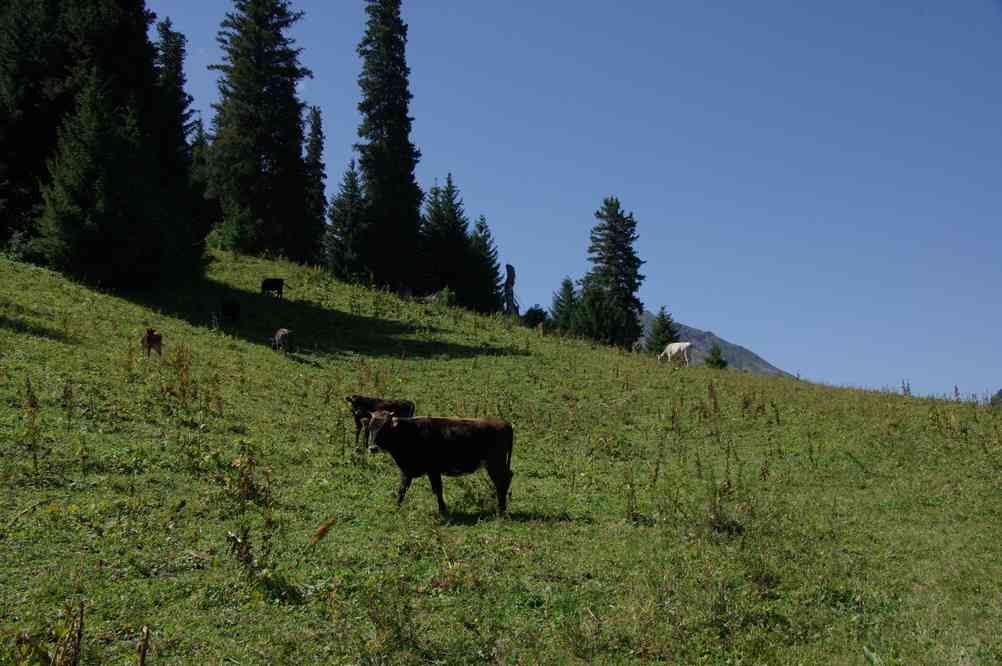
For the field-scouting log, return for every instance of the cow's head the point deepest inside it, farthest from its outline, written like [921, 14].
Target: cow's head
[379, 422]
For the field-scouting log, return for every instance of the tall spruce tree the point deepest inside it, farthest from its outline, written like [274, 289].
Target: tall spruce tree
[564, 307]
[486, 282]
[387, 158]
[610, 310]
[446, 243]
[258, 170]
[101, 217]
[343, 240]
[206, 211]
[47, 51]
[185, 235]
[663, 331]
[316, 200]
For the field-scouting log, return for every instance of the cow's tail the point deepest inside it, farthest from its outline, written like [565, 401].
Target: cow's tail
[511, 445]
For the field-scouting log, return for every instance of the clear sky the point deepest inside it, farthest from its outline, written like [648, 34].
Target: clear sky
[819, 182]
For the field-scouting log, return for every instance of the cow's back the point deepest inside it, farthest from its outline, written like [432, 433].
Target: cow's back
[452, 446]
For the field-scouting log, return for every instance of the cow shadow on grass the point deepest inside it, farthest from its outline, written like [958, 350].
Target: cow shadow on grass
[316, 329]
[473, 517]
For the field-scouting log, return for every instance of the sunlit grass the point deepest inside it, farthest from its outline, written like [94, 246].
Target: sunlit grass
[652, 518]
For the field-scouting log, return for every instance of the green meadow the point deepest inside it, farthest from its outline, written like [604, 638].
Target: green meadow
[657, 515]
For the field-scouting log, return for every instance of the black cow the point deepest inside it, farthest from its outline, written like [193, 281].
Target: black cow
[230, 310]
[272, 285]
[362, 406]
[449, 446]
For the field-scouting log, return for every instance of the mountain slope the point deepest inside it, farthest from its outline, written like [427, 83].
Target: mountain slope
[737, 357]
[656, 515]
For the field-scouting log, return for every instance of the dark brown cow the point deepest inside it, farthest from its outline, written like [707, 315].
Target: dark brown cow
[273, 285]
[282, 340]
[363, 405]
[152, 341]
[435, 446]
[230, 310]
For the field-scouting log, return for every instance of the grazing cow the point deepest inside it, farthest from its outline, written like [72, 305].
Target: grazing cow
[435, 446]
[152, 341]
[230, 310]
[674, 348]
[362, 406]
[272, 285]
[282, 340]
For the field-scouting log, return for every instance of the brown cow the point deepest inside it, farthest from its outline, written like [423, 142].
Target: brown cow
[152, 340]
[435, 446]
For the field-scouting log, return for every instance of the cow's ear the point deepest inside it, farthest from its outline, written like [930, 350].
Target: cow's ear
[348, 399]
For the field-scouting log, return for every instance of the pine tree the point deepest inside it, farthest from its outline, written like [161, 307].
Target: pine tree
[346, 231]
[610, 310]
[206, 211]
[663, 331]
[101, 215]
[387, 158]
[47, 51]
[446, 243]
[185, 235]
[258, 170]
[316, 200]
[715, 359]
[487, 284]
[564, 307]
[535, 316]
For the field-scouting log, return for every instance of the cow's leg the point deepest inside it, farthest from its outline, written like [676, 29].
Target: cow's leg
[405, 483]
[502, 481]
[685, 355]
[436, 485]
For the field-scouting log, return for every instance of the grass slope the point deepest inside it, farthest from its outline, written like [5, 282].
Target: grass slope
[686, 516]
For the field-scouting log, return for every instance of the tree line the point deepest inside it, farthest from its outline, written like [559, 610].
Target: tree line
[107, 174]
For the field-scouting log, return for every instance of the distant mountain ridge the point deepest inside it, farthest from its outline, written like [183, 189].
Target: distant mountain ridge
[736, 356]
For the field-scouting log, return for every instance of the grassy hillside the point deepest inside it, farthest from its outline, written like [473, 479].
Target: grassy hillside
[686, 516]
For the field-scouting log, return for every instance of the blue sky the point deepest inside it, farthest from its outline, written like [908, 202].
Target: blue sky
[819, 182]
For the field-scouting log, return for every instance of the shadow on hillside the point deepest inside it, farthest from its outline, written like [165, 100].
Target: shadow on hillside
[32, 329]
[316, 329]
[472, 518]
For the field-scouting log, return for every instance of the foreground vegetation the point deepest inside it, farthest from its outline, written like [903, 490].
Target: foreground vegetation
[691, 516]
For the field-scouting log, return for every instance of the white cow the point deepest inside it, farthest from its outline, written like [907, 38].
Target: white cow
[673, 348]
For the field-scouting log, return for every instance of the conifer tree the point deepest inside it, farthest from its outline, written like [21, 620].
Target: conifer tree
[446, 243]
[610, 310]
[47, 51]
[101, 218]
[716, 358]
[185, 234]
[316, 200]
[258, 169]
[564, 307]
[535, 316]
[663, 331]
[387, 158]
[346, 231]
[206, 211]
[487, 284]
